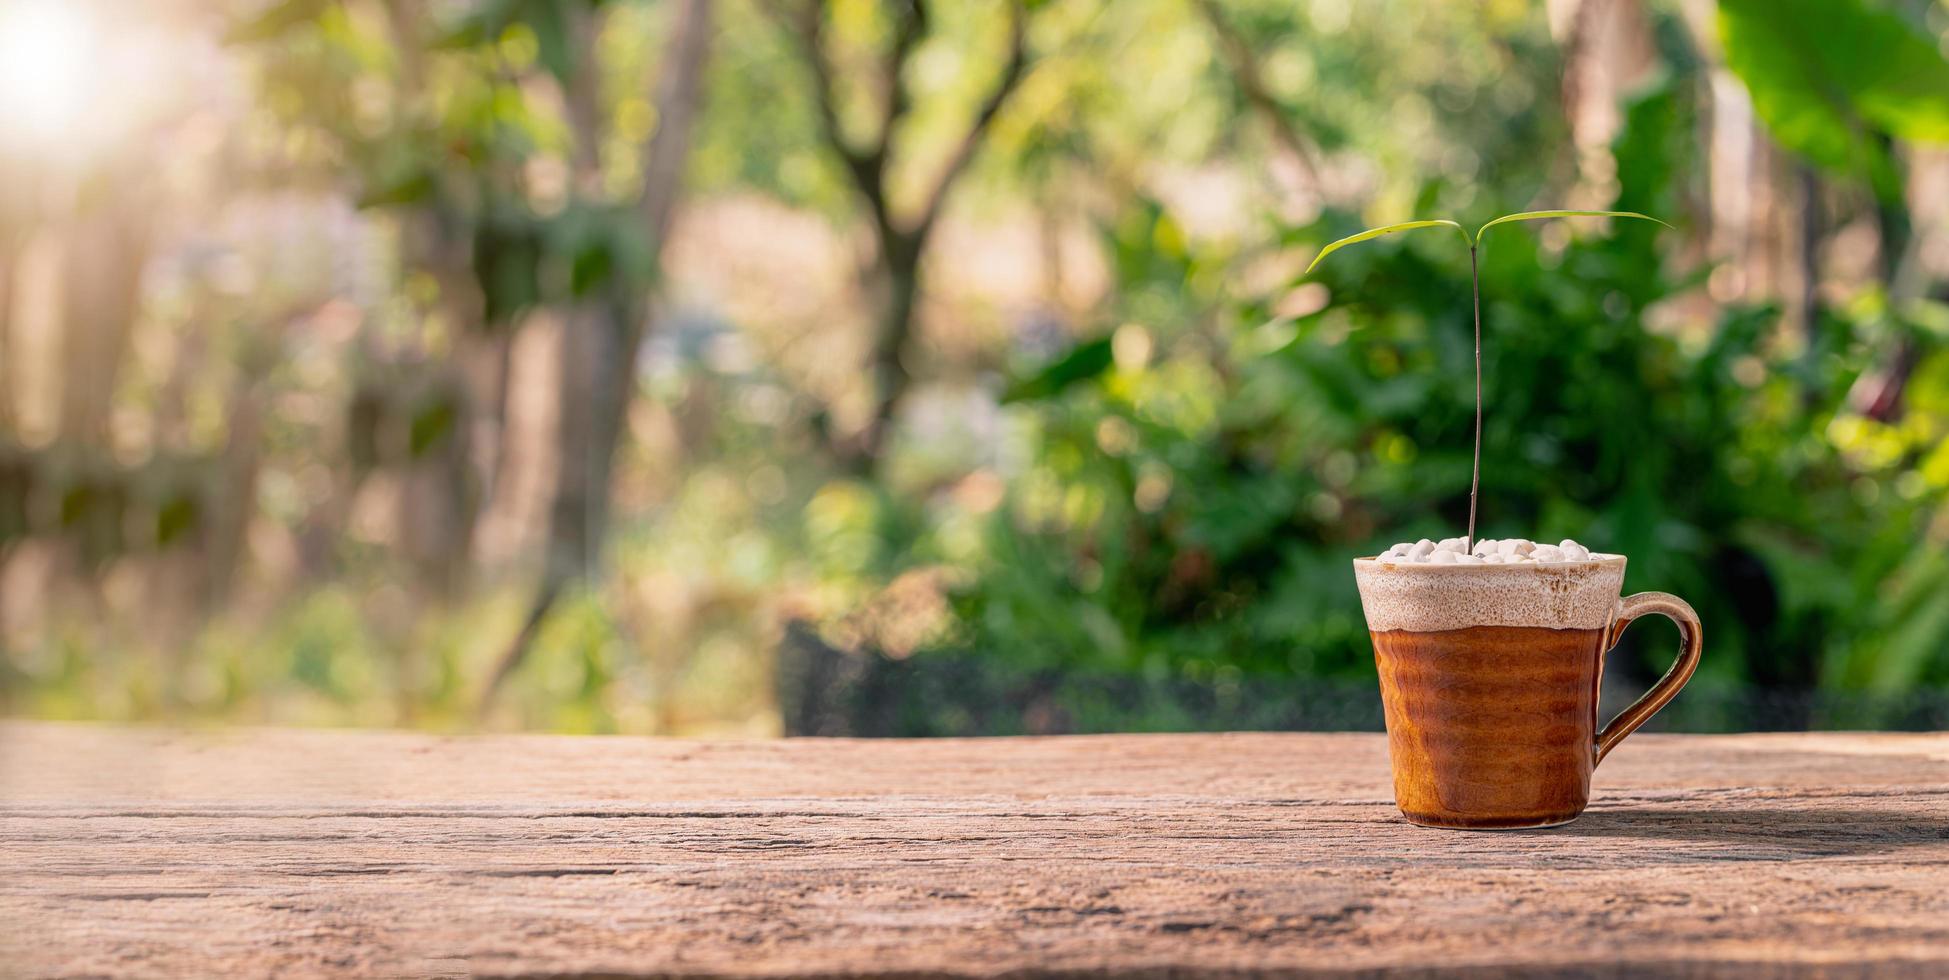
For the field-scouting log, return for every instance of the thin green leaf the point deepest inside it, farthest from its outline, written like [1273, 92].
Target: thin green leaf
[1378, 232]
[1540, 215]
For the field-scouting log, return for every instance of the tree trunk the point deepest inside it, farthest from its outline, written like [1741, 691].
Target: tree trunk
[1904, 279]
[101, 275]
[1246, 74]
[893, 338]
[598, 357]
[1812, 230]
[602, 333]
[9, 384]
[900, 241]
[494, 452]
[444, 495]
[228, 524]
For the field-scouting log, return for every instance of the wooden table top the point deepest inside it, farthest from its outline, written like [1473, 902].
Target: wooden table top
[256, 852]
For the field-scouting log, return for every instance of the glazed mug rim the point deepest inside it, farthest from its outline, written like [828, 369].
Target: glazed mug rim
[1596, 560]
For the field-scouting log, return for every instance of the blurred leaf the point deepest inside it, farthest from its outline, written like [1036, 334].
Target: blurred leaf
[1384, 230]
[1806, 579]
[590, 267]
[601, 245]
[508, 254]
[1917, 619]
[413, 186]
[486, 23]
[273, 21]
[1082, 362]
[432, 423]
[546, 19]
[1823, 73]
[481, 24]
[178, 515]
[1660, 121]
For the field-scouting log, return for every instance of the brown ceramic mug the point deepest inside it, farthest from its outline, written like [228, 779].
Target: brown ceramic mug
[1489, 679]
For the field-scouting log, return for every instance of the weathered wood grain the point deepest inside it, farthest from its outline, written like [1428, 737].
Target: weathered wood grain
[302, 853]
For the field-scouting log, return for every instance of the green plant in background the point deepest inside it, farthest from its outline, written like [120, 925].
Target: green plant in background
[1187, 514]
[1475, 297]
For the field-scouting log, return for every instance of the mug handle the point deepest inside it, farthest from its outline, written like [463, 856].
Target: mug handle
[1671, 607]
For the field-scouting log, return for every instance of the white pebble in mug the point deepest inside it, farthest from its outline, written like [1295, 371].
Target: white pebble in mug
[1488, 551]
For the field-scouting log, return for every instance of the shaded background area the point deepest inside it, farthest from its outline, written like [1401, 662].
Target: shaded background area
[880, 367]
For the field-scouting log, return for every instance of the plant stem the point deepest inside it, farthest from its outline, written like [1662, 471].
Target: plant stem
[1475, 472]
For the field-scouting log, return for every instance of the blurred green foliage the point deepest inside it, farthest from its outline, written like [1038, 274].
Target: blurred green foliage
[1827, 75]
[1195, 513]
[1134, 514]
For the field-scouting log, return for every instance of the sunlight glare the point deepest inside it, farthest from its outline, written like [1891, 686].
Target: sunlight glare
[45, 49]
